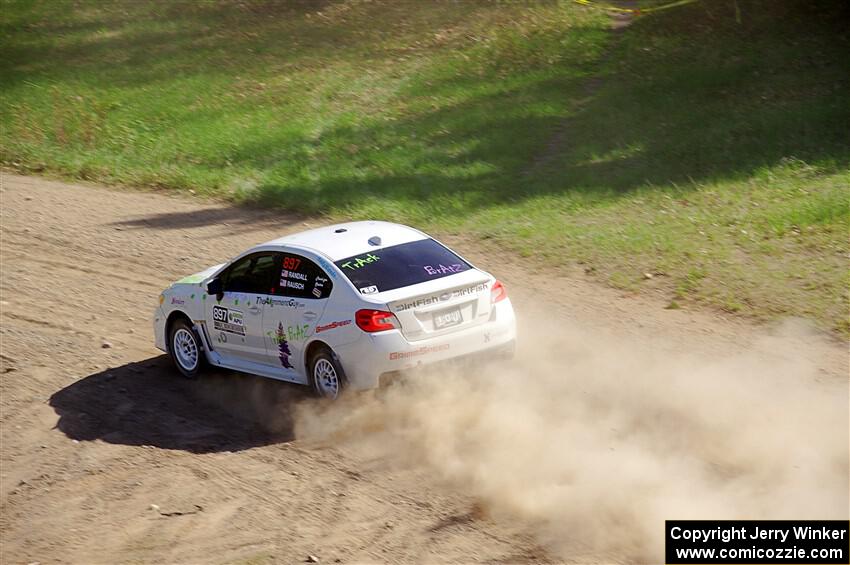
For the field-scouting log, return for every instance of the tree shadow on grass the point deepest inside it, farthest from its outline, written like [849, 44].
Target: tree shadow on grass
[180, 38]
[688, 96]
[148, 403]
[694, 96]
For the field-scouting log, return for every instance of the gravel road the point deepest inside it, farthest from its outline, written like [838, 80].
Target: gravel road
[616, 414]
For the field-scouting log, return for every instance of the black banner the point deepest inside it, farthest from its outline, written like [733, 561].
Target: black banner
[757, 541]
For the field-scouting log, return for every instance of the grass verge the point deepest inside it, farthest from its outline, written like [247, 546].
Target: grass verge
[705, 146]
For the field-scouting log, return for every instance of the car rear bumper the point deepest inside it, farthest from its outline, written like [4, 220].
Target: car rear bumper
[373, 355]
[502, 352]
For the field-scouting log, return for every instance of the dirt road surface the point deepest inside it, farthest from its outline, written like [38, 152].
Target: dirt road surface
[616, 414]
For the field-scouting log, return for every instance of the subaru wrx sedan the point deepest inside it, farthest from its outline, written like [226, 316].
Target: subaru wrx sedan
[336, 307]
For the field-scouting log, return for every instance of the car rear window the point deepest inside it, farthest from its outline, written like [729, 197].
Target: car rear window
[401, 265]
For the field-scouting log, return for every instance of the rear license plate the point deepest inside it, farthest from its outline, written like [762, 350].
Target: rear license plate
[447, 318]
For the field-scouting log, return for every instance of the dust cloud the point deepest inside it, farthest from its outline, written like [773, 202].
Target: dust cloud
[594, 441]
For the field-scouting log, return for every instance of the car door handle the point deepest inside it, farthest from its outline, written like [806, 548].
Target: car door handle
[254, 309]
[310, 316]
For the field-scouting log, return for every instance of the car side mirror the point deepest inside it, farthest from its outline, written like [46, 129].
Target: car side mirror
[214, 287]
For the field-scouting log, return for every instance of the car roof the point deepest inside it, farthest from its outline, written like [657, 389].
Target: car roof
[340, 241]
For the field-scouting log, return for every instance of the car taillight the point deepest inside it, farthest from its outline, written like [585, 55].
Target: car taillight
[498, 292]
[375, 320]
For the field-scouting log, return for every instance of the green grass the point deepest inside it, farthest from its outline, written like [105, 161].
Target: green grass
[708, 151]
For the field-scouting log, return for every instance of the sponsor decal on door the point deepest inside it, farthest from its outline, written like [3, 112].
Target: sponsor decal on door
[228, 320]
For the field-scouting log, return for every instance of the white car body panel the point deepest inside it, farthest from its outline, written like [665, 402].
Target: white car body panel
[269, 335]
[357, 234]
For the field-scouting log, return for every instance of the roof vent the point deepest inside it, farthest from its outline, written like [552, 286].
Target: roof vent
[340, 230]
[375, 240]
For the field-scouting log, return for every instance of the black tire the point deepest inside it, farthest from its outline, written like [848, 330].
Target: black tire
[325, 371]
[185, 349]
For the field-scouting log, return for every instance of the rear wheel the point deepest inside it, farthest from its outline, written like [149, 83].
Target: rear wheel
[185, 349]
[326, 374]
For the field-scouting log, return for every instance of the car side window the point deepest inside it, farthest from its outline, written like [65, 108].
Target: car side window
[254, 273]
[302, 278]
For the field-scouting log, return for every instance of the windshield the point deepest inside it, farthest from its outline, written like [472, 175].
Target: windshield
[401, 265]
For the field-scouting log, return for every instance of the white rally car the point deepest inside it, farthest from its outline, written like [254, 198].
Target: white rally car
[335, 307]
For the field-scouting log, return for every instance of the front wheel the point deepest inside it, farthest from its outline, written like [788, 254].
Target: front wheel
[185, 349]
[326, 375]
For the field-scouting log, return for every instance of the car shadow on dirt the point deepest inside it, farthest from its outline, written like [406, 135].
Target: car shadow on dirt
[147, 403]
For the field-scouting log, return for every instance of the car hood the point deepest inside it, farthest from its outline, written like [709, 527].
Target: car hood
[199, 277]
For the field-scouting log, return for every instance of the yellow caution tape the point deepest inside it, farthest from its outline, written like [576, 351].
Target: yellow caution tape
[635, 11]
